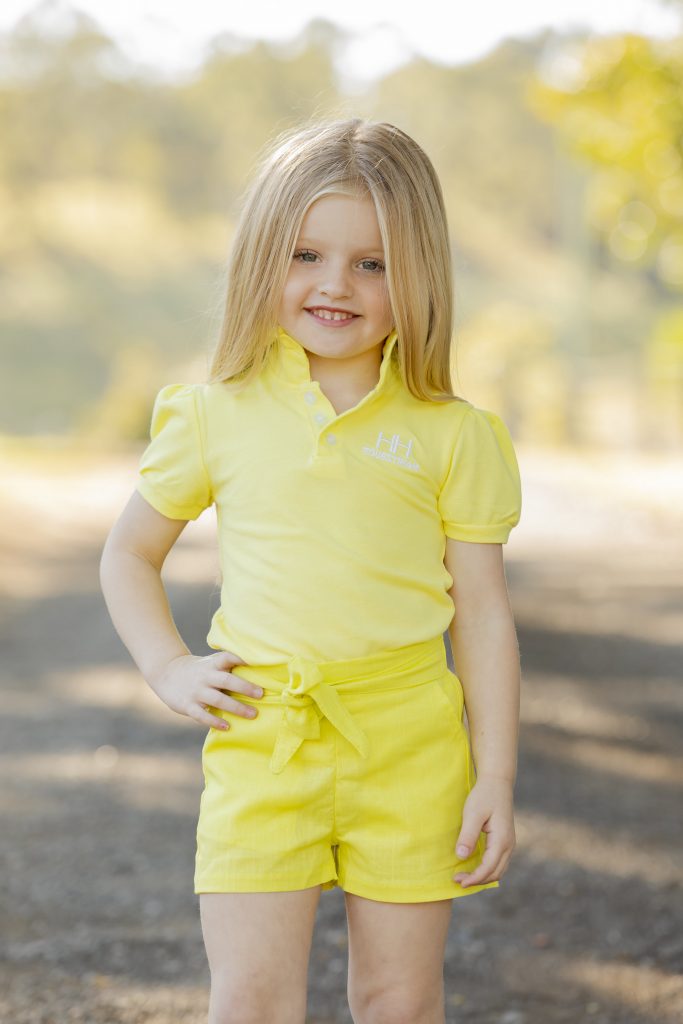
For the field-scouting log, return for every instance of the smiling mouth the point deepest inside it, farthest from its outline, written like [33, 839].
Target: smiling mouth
[325, 316]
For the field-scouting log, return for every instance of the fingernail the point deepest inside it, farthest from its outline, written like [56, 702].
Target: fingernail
[462, 851]
[258, 691]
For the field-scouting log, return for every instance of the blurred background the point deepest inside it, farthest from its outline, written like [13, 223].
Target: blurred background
[129, 133]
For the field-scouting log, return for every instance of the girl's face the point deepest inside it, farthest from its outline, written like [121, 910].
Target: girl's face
[338, 264]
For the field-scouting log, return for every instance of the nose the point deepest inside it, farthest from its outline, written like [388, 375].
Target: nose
[335, 282]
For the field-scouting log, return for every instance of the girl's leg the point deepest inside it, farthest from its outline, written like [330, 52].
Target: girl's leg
[396, 955]
[258, 946]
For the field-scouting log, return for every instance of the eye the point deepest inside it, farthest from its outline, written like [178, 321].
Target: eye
[376, 266]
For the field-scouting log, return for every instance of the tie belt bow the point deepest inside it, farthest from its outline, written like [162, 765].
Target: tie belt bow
[312, 689]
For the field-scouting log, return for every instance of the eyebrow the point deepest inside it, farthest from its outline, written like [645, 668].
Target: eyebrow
[315, 241]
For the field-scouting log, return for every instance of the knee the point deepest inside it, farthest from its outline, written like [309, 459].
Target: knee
[398, 1005]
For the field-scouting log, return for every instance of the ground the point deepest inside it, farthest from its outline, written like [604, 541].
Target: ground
[101, 781]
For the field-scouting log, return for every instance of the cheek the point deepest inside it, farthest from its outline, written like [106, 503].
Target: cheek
[289, 293]
[294, 288]
[381, 299]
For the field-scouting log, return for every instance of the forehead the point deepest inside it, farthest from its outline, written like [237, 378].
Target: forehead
[342, 218]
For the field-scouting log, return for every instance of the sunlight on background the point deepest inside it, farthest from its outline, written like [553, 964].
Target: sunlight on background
[166, 36]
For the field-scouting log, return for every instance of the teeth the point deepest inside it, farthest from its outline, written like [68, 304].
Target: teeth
[326, 315]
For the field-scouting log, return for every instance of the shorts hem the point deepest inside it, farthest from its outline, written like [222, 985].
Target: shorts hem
[227, 884]
[406, 894]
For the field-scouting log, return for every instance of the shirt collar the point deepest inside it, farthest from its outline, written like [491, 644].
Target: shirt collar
[291, 362]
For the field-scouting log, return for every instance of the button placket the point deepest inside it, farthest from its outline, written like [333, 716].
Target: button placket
[292, 364]
[311, 396]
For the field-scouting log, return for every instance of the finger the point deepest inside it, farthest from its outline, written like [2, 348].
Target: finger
[489, 860]
[199, 714]
[486, 871]
[228, 659]
[502, 866]
[228, 681]
[228, 703]
[477, 877]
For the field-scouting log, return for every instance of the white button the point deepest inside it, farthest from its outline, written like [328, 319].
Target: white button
[320, 417]
[331, 439]
[309, 397]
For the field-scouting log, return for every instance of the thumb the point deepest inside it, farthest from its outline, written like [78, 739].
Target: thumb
[466, 841]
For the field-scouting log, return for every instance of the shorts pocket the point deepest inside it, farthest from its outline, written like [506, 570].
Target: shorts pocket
[450, 688]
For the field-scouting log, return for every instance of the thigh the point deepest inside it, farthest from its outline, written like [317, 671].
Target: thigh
[396, 956]
[258, 946]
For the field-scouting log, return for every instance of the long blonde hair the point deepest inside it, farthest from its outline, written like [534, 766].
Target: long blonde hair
[351, 156]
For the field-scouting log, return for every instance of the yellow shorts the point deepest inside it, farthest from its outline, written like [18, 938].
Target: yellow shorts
[354, 773]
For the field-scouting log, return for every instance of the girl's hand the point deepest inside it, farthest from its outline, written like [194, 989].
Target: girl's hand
[190, 682]
[488, 808]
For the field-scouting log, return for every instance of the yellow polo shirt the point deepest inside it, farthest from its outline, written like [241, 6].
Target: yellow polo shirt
[332, 528]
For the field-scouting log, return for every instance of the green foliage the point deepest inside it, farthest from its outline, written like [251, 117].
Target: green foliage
[622, 111]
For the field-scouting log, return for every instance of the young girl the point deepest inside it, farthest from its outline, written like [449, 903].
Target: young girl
[362, 508]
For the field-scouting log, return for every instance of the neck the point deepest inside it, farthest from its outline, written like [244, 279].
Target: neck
[347, 375]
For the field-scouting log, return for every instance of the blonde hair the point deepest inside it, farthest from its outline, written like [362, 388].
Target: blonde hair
[351, 156]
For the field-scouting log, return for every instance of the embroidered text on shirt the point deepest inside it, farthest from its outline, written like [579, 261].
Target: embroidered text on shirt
[388, 448]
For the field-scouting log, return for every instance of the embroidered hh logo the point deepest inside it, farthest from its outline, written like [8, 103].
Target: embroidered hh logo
[390, 448]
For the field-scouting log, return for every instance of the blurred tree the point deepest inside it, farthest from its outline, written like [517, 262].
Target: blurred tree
[71, 104]
[240, 99]
[617, 103]
[490, 151]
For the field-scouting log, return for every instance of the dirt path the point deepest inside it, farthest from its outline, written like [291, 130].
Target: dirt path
[101, 782]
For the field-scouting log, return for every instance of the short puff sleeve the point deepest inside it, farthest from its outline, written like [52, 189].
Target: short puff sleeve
[481, 498]
[172, 475]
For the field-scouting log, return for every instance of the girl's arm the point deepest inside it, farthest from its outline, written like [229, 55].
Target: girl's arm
[486, 655]
[130, 578]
